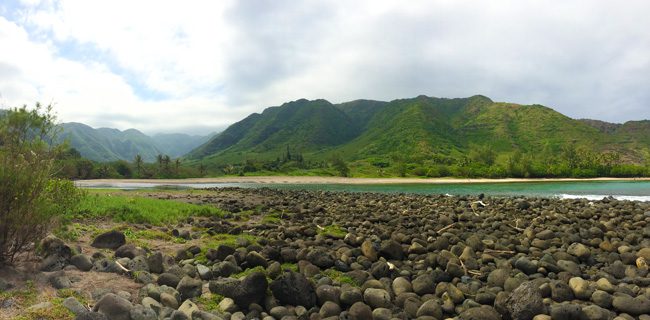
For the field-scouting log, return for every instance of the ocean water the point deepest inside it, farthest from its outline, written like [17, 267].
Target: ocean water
[592, 190]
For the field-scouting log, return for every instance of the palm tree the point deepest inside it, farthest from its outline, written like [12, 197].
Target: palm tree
[138, 163]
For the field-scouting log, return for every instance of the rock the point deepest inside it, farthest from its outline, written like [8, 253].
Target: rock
[149, 302]
[566, 311]
[430, 308]
[391, 250]
[91, 316]
[525, 302]
[168, 279]
[401, 285]
[329, 309]
[53, 263]
[480, 313]
[350, 295]
[369, 251]
[155, 262]
[82, 262]
[204, 272]
[251, 289]
[204, 315]
[633, 306]
[602, 299]
[143, 277]
[109, 240]
[72, 304]
[168, 300]
[644, 253]
[228, 305]
[187, 308]
[360, 311]
[561, 291]
[525, 265]
[321, 258]
[140, 312]
[328, 293]
[377, 298]
[106, 265]
[580, 288]
[224, 269]
[497, 278]
[579, 250]
[294, 289]
[569, 266]
[138, 264]
[593, 312]
[381, 314]
[604, 285]
[455, 294]
[129, 251]
[114, 307]
[60, 282]
[254, 259]
[424, 284]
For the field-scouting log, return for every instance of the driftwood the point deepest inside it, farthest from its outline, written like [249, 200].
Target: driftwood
[445, 228]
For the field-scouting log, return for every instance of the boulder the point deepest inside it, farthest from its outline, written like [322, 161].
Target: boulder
[109, 240]
[294, 289]
[114, 307]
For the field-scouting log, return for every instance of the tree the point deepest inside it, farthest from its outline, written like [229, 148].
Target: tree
[138, 164]
[177, 165]
[31, 199]
[340, 166]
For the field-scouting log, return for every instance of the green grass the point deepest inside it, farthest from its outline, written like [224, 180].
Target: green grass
[135, 209]
[289, 266]
[211, 303]
[249, 271]
[340, 277]
[333, 231]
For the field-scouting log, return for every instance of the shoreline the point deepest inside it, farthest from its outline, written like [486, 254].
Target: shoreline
[340, 180]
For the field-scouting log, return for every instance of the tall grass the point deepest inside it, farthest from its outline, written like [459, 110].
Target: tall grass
[135, 209]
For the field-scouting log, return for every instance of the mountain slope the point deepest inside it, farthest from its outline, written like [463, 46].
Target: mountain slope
[301, 125]
[106, 144]
[416, 128]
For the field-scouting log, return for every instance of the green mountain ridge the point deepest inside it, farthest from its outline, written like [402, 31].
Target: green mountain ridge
[417, 129]
[107, 144]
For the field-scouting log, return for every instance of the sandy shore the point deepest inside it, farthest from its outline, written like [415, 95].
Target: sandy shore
[335, 180]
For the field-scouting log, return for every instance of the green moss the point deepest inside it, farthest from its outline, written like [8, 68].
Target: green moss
[210, 303]
[340, 277]
[248, 272]
[289, 266]
[333, 231]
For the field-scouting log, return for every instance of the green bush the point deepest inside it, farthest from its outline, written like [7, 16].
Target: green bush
[30, 200]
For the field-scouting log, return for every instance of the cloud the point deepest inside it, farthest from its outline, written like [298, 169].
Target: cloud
[204, 64]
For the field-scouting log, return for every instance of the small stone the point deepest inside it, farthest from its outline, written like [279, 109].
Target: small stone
[228, 305]
[109, 240]
[72, 304]
[430, 308]
[168, 300]
[114, 307]
[204, 272]
[82, 262]
[150, 303]
[604, 285]
[566, 311]
[525, 302]
[579, 250]
[480, 313]
[602, 299]
[593, 312]
[60, 282]
[188, 307]
[280, 311]
[329, 309]
[360, 311]
[140, 312]
[580, 288]
[633, 306]
[254, 259]
[401, 285]
[497, 278]
[377, 298]
[369, 251]
[189, 288]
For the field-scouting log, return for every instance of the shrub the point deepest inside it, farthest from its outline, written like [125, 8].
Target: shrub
[30, 200]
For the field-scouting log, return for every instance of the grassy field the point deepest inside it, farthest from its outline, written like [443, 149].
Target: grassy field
[134, 208]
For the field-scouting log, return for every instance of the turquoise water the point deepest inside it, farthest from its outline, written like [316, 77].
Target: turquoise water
[595, 190]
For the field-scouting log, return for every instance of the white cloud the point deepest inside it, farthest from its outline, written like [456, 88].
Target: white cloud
[166, 65]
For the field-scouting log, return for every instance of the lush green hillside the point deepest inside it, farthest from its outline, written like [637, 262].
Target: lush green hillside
[426, 136]
[105, 144]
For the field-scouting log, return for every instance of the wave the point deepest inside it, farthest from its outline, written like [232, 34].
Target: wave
[597, 197]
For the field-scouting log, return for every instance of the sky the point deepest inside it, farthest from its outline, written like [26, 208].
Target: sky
[198, 66]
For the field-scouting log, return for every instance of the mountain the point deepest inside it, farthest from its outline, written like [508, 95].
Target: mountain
[178, 144]
[105, 144]
[416, 128]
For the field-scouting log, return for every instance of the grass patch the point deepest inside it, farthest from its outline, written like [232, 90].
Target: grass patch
[56, 312]
[333, 231]
[274, 218]
[289, 266]
[211, 303]
[24, 298]
[132, 209]
[340, 277]
[248, 272]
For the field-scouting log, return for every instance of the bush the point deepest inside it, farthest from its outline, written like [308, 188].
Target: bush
[30, 200]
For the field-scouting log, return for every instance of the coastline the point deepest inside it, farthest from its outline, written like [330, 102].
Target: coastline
[342, 180]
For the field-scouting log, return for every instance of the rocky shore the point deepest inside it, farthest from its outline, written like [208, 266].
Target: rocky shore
[329, 255]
